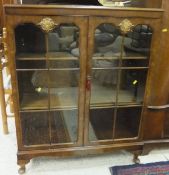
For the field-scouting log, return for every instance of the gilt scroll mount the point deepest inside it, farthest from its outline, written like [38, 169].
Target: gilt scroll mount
[126, 26]
[47, 24]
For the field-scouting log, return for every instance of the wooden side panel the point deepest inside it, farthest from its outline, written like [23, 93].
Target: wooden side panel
[154, 120]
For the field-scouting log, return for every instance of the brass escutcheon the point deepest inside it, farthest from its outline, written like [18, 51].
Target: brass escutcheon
[47, 24]
[126, 26]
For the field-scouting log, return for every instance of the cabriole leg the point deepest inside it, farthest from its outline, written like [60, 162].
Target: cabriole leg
[22, 164]
[135, 158]
[22, 169]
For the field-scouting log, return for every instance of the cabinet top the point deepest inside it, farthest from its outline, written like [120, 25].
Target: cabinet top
[81, 10]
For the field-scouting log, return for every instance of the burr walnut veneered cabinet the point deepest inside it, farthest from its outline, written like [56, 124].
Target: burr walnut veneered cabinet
[82, 78]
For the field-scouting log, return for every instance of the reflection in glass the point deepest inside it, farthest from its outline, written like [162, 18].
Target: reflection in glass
[127, 122]
[111, 54]
[103, 89]
[140, 42]
[101, 124]
[35, 128]
[63, 88]
[106, 56]
[29, 39]
[119, 69]
[33, 89]
[64, 126]
[63, 43]
[48, 73]
[135, 62]
[107, 42]
[69, 63]
[31, 64]
[63, 56]
[132, 86]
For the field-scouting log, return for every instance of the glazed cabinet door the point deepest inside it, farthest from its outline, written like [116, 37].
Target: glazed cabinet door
[118, 67]
[49, 59]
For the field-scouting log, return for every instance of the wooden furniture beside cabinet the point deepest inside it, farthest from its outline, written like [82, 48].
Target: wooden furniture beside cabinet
[84, 78]
[5, 88]
[5, 84]
[3, 64]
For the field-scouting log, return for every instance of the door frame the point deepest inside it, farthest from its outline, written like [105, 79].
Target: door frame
[155, 24]
[82, 22]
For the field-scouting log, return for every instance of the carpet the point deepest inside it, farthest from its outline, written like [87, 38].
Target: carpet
[158, 168]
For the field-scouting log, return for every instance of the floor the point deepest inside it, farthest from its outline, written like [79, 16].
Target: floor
[68, 166]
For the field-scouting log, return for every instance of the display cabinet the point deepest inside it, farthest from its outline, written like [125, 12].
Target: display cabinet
[81, 78]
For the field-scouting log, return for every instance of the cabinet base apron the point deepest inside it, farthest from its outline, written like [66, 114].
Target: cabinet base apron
[24, 157]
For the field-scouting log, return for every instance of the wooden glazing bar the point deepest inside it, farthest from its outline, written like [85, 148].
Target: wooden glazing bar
[118, 68]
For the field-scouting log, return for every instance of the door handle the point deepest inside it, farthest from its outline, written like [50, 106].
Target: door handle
[159, 107]
[88, 83]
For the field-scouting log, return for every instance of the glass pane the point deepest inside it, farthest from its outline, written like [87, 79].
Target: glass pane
[103, 89]
[29, 40]
[132, 86]
[30, 47]
[63, 46]
[144, 63]
[105, 62]
[137, 49]
[127, 122]
[31, 64]
[107, 44]
[101, 124]
[33, 89]
[55, 64]
[63, 56]
[64, 126]
[35, 128]
[64, 88]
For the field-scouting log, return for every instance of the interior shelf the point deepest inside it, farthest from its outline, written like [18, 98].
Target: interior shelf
[118, 68]
[30, 56]
[63, 98]
[60, 56]
[51, 56]
[117, 58]
[32, 102]
[106, 96]
[128, 56]
[69, 56]
[66, 98]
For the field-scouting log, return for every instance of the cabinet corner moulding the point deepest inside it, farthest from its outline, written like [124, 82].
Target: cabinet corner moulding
[47, 24]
